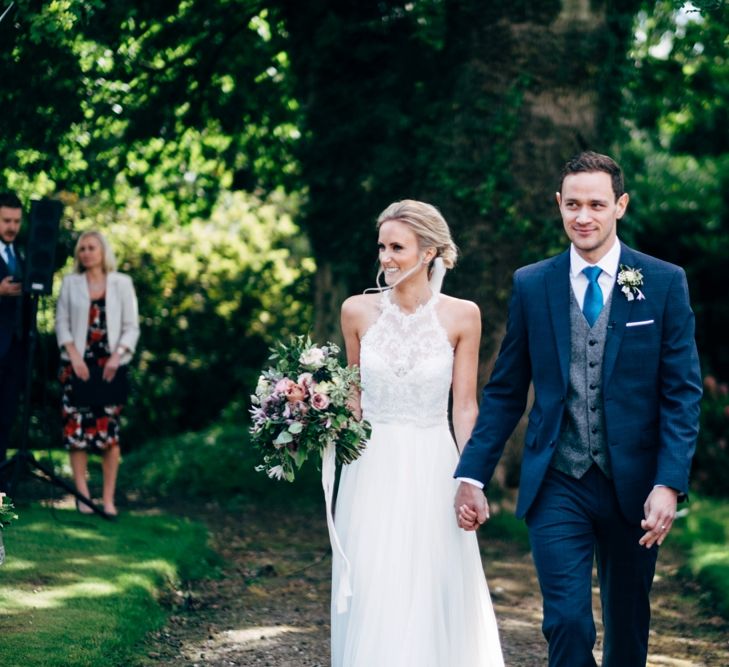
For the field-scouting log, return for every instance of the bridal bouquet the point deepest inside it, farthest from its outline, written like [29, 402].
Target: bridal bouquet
[7, 513]
[6, 516]
[301, 407]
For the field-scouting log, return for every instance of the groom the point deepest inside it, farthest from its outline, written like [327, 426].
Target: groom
[11, 313]
[606, 335]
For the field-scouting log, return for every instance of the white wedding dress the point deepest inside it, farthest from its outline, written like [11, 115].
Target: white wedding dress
[419, 595]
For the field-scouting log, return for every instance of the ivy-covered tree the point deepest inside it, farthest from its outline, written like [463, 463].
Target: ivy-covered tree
[677, 110]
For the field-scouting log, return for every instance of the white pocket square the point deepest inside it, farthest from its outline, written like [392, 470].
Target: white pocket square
[639, 324]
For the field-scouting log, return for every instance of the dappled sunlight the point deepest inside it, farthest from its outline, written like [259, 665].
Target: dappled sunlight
[110, 559]
[85, 578]
[128, 580]
[72, 532]
[519, 624]
[519, 579]
[157, 565]
[713, 556]
[243, 640]
[13, 564]
[15, 600]
[665, 661]
[256, 635]
[521, 615]
[664, 645]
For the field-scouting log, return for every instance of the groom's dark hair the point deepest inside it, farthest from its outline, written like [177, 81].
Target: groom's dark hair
[10, 200]
[590, 161]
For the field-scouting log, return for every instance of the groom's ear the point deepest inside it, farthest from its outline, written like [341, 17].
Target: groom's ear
[558, 197]
[622, 205]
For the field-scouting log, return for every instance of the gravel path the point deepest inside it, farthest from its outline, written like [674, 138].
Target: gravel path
[270, 608]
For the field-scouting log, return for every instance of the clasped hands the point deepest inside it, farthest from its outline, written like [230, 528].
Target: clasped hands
[472, 508]
[81, 370]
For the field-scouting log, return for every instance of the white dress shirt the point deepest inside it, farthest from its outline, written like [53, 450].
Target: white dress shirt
[606, 280]
[4, 248]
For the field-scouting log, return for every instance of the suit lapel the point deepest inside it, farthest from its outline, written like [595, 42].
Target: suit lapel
[620, 309]
[557, 287]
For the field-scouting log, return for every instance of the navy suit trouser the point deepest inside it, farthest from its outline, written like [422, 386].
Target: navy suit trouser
[11, 371]
[572, 522]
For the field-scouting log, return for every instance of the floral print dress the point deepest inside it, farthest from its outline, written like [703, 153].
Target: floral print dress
[96, 428]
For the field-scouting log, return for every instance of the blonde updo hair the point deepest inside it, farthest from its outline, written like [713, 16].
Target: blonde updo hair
[109, 259]
[428, 225]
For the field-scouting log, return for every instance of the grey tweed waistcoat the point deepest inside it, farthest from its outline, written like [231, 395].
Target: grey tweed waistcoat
[582, 439]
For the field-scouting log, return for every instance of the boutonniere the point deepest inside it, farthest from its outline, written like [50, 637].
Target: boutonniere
[630, 281]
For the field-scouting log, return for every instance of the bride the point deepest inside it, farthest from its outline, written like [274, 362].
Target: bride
[418, 591]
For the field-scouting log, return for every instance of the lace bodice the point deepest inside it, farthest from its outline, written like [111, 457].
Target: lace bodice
[406, 362]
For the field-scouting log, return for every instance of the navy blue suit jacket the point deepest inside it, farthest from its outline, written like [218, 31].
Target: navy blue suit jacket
[10, 310]
[651, 382]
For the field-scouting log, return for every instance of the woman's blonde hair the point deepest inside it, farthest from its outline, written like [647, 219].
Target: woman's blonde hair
[109, 264]
[428, 225]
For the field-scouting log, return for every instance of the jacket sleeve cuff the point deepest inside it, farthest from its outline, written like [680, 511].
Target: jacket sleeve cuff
[469, 480]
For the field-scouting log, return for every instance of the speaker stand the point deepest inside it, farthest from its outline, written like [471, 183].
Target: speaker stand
[23, 463]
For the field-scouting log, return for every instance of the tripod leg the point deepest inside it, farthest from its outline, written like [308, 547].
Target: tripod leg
[55, 479]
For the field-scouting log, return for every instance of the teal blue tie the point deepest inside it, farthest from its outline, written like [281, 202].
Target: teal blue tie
[11, 262]
[593, 296]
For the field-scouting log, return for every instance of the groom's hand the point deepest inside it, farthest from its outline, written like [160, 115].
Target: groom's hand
[659, 511]
[472, 508]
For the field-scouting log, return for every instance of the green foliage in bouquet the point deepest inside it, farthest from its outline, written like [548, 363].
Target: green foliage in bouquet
[7, 513]
[302, 405]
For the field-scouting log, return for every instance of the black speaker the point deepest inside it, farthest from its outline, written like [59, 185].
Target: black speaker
[40, 251]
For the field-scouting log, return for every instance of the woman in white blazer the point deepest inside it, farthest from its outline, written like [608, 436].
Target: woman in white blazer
[97, 328]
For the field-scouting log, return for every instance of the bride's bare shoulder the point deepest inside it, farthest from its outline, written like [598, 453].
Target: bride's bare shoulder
[360, 306]
[459, 309]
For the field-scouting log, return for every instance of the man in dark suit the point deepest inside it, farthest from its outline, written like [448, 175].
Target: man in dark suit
[11, 328]
[606, 335]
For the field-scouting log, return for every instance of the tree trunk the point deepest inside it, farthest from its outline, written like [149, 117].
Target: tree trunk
[532, 86]
[328, 297]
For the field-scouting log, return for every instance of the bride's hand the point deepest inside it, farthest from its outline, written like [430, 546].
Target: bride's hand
[467, 518]
[354, 406]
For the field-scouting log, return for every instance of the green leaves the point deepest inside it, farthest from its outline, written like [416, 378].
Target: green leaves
[283, 438]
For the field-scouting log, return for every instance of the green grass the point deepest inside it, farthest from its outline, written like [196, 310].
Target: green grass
[81, 591]
[503, 525]
[216, 464]
[703, 534]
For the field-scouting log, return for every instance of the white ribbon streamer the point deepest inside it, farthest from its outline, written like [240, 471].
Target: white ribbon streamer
[328, 468]
[437, 274]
